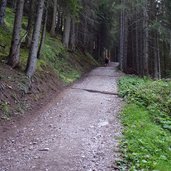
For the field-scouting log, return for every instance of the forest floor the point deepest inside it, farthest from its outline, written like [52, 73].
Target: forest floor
[79, 130]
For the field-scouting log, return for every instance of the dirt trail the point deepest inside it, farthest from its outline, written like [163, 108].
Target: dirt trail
[80, 131]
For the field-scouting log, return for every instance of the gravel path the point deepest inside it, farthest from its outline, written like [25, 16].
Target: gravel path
[80, 131]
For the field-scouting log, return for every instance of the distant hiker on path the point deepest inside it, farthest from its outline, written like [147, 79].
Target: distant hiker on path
[106, 61]
[106, 55]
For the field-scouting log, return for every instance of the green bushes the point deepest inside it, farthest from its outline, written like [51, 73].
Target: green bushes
[147, 121]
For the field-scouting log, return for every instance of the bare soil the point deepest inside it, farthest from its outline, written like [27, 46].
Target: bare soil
[17, 90]
[78, 131]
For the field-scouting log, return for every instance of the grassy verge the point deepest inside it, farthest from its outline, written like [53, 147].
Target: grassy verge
[147, 123]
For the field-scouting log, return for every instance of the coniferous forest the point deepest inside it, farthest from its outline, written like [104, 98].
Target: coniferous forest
[135, 33]
[94, 54]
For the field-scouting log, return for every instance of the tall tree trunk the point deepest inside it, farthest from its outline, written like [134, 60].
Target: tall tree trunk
[14, 4]
[99, 47]
[170, 45]
[157, 67]
[53, 27]
[13, 59]
[133, 56]
[137, 46]
[146, 39]
[43, 34]
[60, 21]
[141, 58]
[73, 34]
[125, 45]
[84, 24]
[121, 39]
[3, 5]
[30, 23]
[32, 59]
[67, 28]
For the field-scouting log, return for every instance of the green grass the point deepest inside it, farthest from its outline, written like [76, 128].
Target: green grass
[55, 55]
[147, 121]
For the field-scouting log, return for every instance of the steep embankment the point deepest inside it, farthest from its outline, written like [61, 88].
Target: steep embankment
[56, 69]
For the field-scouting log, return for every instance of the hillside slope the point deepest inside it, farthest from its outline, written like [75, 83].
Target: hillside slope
[56, 69]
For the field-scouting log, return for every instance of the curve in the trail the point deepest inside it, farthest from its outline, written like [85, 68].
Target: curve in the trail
[79, 132]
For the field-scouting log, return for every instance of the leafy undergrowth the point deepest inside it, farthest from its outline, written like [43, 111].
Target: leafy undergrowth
[147, 123]
[56, 68]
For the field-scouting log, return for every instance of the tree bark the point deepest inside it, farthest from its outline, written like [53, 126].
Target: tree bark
[3, 5]
[125, 44]
[146, 39]
[30, 23]
[67, 28]
[53, 27]
[32, 59]
[14, 4]
[60, 21]
[73, 34]
[141, 58]
[122, 37]
[13, 59]
[137, 45]
[121, 40]
[43, 35]
[157, 66]
[84, 24]
[170, 45]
